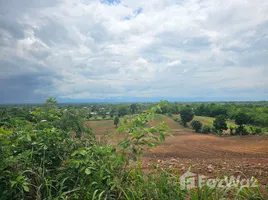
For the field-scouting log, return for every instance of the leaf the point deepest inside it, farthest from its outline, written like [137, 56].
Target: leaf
[87, 171]
[28, 137]
[25, 188]
[162, 137]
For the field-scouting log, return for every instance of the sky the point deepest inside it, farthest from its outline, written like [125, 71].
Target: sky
[133, 50]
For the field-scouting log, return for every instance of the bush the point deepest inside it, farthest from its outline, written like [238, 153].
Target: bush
[241, 130]
[169, 114]
[177, 120]
[196, 125]
[206, 129]
[232, 130]
[257, 131]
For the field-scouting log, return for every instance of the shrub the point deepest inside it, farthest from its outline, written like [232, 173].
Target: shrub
[116, 121]
[177, 120]
[241, 130]
[169, 114]
[196, 125]
[206, 129]
[258, 130]
[232, 130]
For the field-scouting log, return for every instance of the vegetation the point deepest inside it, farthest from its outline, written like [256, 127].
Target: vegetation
[133, 108]
[257, 112]
[116, 121]
[241, 119]
[186, 114]
[206, 129]
[197, 126]
[220, 123]
[47, 152]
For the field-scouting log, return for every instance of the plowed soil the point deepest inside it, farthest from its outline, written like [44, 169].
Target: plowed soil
[207, 155]
[212, 156]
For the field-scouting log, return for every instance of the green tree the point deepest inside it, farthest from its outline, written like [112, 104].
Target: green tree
[116, 121]
[241, 118]
[122, 111]
[220, 123]
[196, 125]
[187, 115]
[133, 108]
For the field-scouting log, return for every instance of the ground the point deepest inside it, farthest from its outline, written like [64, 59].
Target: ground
[207, 155]
[211, 155]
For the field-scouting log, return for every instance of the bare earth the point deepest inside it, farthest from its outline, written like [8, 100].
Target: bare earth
[207, 155]
[211, 155]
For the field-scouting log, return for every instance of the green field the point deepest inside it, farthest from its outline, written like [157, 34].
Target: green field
[209, 120]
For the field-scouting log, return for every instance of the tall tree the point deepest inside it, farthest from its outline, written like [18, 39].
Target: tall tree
[220, 123]
[122, 111]
[133, 108]
[241, 118]
[186, 114]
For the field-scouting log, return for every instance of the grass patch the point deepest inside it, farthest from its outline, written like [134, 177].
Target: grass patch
[209, 121]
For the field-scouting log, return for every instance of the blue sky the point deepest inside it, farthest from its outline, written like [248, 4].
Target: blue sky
[112, 50]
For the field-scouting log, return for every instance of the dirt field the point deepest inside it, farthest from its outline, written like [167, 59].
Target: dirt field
[211, 155]
[207, 155]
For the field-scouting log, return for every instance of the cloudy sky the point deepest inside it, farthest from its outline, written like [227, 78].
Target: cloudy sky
[112, 50]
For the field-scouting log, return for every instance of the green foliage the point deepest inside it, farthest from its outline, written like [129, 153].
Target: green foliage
[241, 130]
[57, 157]
[241, 118]
[54, 156]
[206, 129]
[232, 130]
[220, 123]
[122, 111]
[197, 126]
[116, 121]
[133, 108]
[138, 135]
[257, 130]
[186, 114]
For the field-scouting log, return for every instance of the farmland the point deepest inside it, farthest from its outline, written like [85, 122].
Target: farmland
[77, 152]
[206, 154]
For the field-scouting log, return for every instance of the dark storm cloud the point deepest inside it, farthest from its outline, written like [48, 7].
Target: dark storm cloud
[21, 89]
[20, 81]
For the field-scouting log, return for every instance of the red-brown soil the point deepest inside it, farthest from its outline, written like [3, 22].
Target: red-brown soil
[207, 155]
[212, 155]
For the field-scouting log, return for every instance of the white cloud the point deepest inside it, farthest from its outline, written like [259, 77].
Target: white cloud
[175, 62]
[178, 49]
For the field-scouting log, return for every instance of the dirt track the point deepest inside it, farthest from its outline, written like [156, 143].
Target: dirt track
[209, 154]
